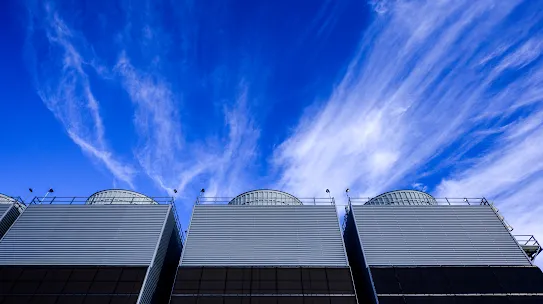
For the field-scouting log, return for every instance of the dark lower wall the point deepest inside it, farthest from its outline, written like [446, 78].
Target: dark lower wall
[73, 285]
[462, 284]
[463, 300]
[177, 299]
[269, 285]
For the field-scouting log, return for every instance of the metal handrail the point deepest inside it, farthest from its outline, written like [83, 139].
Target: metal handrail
[210, 200]
[528, 242]
[438, 201]
[78, 200]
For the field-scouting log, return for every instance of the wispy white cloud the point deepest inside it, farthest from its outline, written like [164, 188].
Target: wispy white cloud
[63, 85]
[511, 175]
[240, 151]
[428, 77]
[163, 153]
[155, 118]
[420, 187]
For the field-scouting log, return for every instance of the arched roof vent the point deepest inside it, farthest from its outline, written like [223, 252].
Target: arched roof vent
[4, 199]
[119, 196]
[265, 197]
[403, 197]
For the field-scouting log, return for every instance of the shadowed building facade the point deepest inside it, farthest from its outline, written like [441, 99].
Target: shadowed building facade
[406, 247]
[116, 247]
[264, 246]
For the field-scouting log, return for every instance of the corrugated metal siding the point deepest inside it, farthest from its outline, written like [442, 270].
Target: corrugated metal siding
[84, 235]
[435, 235]
[8, 215]
[246, 235]
[153, 273]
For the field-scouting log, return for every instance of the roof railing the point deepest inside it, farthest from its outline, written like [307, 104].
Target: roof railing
[529, 244]
[437, 201]
[207, 200]
[104, 200]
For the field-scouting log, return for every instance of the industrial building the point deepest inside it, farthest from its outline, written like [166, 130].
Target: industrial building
[408, 247]
[115, 246]
[264, 246]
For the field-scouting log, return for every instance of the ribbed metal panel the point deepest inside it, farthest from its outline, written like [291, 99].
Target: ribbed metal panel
[8, 215]
[4, 208]
[435, 235]
[153, 273]
[84, 235]
[251, 235]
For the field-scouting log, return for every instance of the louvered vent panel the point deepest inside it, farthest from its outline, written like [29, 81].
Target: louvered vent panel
[435, 235]
[230, 235]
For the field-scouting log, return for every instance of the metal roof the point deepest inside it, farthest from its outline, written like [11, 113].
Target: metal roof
[256, 235]
[435, 235]
[84, 235]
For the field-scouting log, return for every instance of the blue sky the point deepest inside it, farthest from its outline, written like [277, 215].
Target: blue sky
[442, 96]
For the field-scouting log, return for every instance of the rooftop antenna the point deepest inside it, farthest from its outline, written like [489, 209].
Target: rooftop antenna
[46, 193]
[200, 195]
[330, 196]
[348, 197]
[30, 190]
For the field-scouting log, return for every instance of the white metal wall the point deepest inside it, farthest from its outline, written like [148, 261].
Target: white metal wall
[84, 235]
[250, 235]
[435, 235]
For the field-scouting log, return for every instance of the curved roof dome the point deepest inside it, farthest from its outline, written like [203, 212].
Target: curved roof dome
[403, 197]
[4, 199]
[265, 197]
[119, 196]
